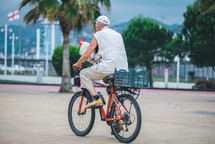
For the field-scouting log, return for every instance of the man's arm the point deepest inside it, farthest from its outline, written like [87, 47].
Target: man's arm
[86, 55]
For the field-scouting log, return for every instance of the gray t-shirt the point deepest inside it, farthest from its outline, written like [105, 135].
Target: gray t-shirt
[111, 50]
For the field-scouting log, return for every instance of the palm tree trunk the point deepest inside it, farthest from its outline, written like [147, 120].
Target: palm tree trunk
[66, 85]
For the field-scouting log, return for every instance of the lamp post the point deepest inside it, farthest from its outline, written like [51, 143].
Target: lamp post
[13, 41]
[46, 44]
[38, 45]
[47, 57]
[53, 38]
[178, 71]
[5, 48]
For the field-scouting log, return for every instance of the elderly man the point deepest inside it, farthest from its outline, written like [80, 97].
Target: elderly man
[111, 49]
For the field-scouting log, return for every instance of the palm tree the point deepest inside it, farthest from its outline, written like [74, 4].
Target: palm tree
[72, 15]
[203, 6]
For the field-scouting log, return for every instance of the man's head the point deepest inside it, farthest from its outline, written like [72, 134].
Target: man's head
[101, 22]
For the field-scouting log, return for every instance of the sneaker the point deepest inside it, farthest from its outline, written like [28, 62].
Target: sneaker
[95, 103]
[118, 127]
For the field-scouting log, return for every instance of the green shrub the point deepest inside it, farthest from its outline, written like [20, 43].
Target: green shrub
[57, 58]
[205, 84]
[191, 74]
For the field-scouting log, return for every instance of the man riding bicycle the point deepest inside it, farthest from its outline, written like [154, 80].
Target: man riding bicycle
[112, 54]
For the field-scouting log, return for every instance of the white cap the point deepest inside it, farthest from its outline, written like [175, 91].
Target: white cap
[104, 20]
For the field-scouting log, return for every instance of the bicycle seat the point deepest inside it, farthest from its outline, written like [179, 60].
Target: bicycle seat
[108, 78]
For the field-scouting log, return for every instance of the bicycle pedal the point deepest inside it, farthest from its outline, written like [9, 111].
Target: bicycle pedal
[96, 107]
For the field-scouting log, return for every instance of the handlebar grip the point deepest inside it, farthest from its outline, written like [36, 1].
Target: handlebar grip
[75, 68]
[76, 72]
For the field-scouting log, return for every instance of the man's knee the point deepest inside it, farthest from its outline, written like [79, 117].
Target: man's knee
[82, 73]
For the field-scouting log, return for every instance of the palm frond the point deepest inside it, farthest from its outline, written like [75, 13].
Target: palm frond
[32, 15]
[106, 3]
[72, 14]
[45, 8]
[26, 2]
[50, 9]
[203, 6]
[208, 5]
[49, 4]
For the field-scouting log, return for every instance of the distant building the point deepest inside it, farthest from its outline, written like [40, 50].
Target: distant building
[49, 30]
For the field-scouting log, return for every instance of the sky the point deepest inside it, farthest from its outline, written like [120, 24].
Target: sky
[167, 11]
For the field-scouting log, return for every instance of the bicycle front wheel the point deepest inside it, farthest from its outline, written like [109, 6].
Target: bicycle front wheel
[127, 129]
[81, 120]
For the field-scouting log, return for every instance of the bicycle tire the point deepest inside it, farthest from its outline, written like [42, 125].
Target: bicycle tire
[119, 134]
[73, 115]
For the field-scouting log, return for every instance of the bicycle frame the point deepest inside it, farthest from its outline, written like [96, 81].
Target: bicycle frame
[104, 117]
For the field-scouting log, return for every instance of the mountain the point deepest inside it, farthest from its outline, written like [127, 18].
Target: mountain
[87, 32]
[28, 35]
[120, 27]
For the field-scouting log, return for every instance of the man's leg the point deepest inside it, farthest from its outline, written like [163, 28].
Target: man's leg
[92, 91]
[87, 76]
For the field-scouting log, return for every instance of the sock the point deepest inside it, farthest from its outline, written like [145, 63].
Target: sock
[96, 97]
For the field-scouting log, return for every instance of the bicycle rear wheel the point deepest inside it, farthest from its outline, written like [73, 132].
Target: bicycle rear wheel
[127, 129]
[81, 120]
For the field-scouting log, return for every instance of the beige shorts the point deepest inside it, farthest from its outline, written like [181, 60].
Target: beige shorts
[88, 75]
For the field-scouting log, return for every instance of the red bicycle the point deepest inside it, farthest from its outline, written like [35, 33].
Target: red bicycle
[123, 113]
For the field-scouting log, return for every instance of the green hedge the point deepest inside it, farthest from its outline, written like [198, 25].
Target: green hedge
[57, 58]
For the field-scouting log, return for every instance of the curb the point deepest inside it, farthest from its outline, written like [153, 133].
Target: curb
[29, 83]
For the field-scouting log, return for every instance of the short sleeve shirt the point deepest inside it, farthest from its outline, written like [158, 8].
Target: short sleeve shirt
[111, 50]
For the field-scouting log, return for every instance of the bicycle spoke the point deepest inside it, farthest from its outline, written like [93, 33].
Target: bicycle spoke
[131, 119]
[130, 107]
[81, 121]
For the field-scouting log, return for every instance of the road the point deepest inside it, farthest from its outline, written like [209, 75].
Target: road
[32, 114]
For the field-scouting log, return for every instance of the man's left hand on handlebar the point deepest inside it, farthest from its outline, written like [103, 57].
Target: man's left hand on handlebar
[77, 66]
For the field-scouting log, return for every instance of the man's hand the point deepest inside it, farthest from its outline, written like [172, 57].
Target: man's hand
[77, 66]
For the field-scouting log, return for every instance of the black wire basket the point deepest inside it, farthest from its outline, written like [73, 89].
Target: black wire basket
[131, 79]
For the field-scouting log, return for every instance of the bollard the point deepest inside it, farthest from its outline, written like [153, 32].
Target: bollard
[39, 75]
[207, 77]
[166, 77]
[186, 78]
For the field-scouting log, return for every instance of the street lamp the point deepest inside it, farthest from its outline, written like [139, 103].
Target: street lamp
[177, 58]
[5, 48]
[13, 41]
[47, 55]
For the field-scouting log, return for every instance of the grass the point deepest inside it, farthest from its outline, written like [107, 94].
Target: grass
[174, 80]
[25, 74]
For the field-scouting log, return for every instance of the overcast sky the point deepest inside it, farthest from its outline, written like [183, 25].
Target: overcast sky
[167, 11]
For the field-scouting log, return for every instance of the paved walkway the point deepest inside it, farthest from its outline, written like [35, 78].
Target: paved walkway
[57, 80]
[38, 115]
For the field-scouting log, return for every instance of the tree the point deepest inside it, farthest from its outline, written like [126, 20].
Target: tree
[145, 41]
[199, 32]
[57, 58]
[72, 15]
[203, 6]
